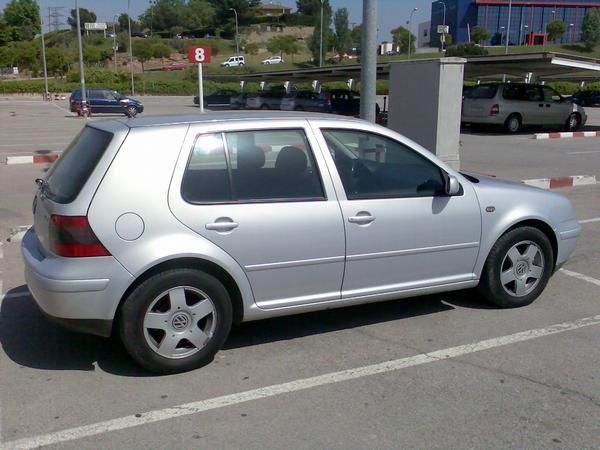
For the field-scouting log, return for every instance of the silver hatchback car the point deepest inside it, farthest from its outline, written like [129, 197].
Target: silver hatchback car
[515, 105]
[166, 230]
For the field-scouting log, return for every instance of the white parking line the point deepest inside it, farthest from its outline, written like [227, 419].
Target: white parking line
[580, 276]
[595, 219]
[292, 386]
[583, 153]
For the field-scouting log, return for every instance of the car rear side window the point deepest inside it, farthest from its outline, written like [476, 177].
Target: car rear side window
[483, 91]
[254, 166]
[69, 174]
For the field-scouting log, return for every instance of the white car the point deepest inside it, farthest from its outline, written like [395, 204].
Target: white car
[233, 61]
[273, 60]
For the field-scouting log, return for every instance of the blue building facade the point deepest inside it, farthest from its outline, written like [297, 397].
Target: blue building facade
[528, 20]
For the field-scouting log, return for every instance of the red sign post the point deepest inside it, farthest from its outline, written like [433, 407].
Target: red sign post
[199, 55]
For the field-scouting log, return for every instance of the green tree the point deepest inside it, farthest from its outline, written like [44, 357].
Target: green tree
[91, 54]
[142, 50]
[313, 7]
[284, 45]
[123, 23]
[590, 29]
[400, 37]
[343, 39]
[24, 17]
[356, 35]
[200, 14]
[160, 50]
[556, 29]
[466, 49]
[480, 34]
[57, 61]
[85, 15]
[251, 49]
[6, 32]
[314, 42]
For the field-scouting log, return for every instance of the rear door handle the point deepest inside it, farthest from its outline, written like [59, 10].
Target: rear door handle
[222, 225]
[362, 218]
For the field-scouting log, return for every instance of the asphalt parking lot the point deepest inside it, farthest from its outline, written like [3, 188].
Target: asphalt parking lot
[444, 371]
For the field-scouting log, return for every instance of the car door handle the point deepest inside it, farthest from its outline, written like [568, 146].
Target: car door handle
[361, 219]
[541, 105]
[221, 226]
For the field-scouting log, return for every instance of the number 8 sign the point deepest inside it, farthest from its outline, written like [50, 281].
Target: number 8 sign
[199, 55]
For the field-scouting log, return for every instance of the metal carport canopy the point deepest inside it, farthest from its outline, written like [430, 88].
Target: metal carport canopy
[546, 66]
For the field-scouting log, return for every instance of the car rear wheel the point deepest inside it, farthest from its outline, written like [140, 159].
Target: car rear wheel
[264, 106]
[513, 123]
[176, 320]
[131, 111]
[517, 268]
[573, 122]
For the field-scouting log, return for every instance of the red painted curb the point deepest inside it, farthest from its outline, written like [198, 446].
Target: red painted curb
[559, 182]
[45, 158]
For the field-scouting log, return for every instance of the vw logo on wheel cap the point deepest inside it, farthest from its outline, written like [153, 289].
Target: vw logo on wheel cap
[521, 269]
[180, 321]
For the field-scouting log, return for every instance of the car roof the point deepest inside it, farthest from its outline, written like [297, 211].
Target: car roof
[224, 116]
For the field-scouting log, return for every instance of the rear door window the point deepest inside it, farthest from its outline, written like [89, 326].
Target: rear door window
[69, 174]
[483, 91]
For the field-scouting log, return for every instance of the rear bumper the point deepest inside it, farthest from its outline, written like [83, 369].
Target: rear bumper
[81, 293]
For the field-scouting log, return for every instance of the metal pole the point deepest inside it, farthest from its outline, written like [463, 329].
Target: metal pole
[130, 49]
[84, 109]
[409, 32]
[200, 88]
[46, 93]
[115, 42]
[444, 20]
[237, 33]
[321, 40]
[508, 27]
[151, 16]
[368, 73]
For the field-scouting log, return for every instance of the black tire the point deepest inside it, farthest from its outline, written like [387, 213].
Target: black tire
[573, 122]
[298, 108]
[513, 123]
[264, 106]
[131, 111]
[491, 286]
[135, 308]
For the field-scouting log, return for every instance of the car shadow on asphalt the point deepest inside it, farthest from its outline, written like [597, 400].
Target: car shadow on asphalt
[527, 131]
[31, 340]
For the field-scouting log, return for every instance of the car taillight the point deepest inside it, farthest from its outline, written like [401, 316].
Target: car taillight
[494, 110]
[72, 237]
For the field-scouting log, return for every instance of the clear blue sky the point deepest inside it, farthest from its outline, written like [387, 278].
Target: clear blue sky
[392, 13]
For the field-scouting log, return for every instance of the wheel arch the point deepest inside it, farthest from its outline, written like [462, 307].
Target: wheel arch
[198, 263]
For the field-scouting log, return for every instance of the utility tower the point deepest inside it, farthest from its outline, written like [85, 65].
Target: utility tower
[55, 18]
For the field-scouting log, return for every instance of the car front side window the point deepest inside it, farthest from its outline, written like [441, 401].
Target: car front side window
[375, 166]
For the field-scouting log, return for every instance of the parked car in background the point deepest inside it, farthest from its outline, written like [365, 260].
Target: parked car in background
[586, 98]
[273, 60]
[244, 216]
[515, 105]
[105, 101]
[139, 34]
[218, 98]
[234, 61]
[174, 66]
[269, 99]
[307, 100]
[238, 100]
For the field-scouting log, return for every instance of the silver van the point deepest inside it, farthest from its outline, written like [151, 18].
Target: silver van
[234, 61]
[515, 105]
[168, 230]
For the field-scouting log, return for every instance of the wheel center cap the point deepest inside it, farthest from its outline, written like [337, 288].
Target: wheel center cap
[521, 269]
[180, 321]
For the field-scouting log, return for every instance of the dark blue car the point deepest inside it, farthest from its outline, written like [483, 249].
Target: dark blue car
[103, 101]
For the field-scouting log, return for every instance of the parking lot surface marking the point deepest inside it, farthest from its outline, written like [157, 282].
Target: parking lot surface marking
[583, 153]
[292, 386]
[595, 219]
[580, 276]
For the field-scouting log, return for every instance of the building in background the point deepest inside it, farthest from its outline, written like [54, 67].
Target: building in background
[274, 9]
[529, 19]
[424, 36]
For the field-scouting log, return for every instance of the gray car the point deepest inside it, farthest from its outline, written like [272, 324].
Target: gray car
[168, 230]
[515, 105]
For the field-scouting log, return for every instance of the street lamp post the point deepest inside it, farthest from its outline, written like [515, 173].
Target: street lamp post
[130, 48]
[237, 32]
[115, 18]
[571, 25]
[409, 27]
[84, 108]
[321, 39]
[508, 27]
[152, 4]
[46, 93]
[444, 20]
[523, 37]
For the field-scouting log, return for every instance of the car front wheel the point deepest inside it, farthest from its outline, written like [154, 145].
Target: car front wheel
[176, 320]
[517, 268]
[131, 111]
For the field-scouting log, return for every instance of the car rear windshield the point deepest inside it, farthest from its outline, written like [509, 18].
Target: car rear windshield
[69, 174]
[483, 91]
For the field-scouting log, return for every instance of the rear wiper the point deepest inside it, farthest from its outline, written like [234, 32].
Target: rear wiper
[42, 184]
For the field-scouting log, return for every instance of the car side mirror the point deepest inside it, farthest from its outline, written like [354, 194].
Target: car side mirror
[452, 185]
